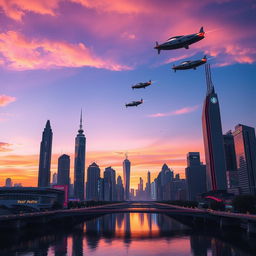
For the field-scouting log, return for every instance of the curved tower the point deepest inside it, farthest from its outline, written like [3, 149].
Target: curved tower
[79, 167]
[213, 138]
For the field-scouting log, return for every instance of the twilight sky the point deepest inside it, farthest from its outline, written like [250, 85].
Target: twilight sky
[58, 56]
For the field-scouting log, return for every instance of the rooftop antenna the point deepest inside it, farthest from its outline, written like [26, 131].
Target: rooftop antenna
[126, 155]
[81, 120]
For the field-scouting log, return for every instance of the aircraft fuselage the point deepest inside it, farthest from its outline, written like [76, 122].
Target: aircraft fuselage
[141, 85]
[189, 65]
[134, 104]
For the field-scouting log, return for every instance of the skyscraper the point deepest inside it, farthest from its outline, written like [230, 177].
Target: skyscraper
[195, 176]
[109, 184]
[230, 157]
[164, 178]
[245, 147]
[63, 170]
[213, 139]
[8, 182]
[119, 189]
[93, 176]
[148, 187]
[45, 157]
[79, 167]
[126, 175]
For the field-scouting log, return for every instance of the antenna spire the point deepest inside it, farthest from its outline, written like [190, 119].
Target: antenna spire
[210, 86]
[81, 123]
[81, 120]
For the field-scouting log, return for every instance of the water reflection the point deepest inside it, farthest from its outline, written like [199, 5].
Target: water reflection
[127, 234]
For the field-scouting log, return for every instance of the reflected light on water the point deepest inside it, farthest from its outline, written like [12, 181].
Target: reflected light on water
[134, 234]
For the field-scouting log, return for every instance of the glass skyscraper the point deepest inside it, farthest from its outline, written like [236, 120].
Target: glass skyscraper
[92, 184]
[245, 147]
[195, 176]
[63, 170]
[213, 138]
[45, 157]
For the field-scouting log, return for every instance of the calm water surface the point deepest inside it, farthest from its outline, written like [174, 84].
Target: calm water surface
[133, 234]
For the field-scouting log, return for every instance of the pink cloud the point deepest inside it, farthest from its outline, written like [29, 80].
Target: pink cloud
[5, 147]
[177, 112]
[173, 59]
[21, 53]
[5, 100]
[16, 9]
[117, 23]
[120, 6]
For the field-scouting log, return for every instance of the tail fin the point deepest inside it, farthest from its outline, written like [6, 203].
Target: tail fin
[201, 30]
[141, 100]
[157, 44]
[204, 58]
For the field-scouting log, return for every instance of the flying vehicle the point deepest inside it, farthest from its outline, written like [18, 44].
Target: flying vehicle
[134, 103]
[190, 64]
[142, 85]
[177, 42]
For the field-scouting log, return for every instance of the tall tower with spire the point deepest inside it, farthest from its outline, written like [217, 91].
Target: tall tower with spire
[213, 138]
[45, 157]
[79, 168]
[126, 175]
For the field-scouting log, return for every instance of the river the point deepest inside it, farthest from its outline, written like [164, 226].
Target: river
[134, 234]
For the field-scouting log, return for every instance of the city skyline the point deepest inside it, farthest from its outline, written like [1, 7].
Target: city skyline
[163, 129]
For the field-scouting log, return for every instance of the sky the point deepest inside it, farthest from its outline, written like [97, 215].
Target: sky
[58, 56]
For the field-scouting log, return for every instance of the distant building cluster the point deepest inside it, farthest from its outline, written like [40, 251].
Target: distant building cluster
[230, 166]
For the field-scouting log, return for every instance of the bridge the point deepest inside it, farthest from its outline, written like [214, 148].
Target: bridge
[189, 216]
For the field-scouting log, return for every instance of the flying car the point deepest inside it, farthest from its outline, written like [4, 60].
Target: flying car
[134, 103]
[142, 85]
[190, 64]
[177, 42]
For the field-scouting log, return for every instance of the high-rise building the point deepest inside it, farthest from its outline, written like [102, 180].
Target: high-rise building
[126, 175]
[154, 190]
[45, 157]
[79, 167]
[109, 184]
[148, 187]
[245, 147]
[8, 182]
[63, 170]
[230, 157]
[92, 184]
[213, 138]
[195, 176]
[164, 178]
[119, 189]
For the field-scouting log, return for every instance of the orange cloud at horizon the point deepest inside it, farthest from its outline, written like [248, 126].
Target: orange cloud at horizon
[24, 168]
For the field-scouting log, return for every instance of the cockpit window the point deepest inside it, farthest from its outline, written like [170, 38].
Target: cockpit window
[173, 38]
